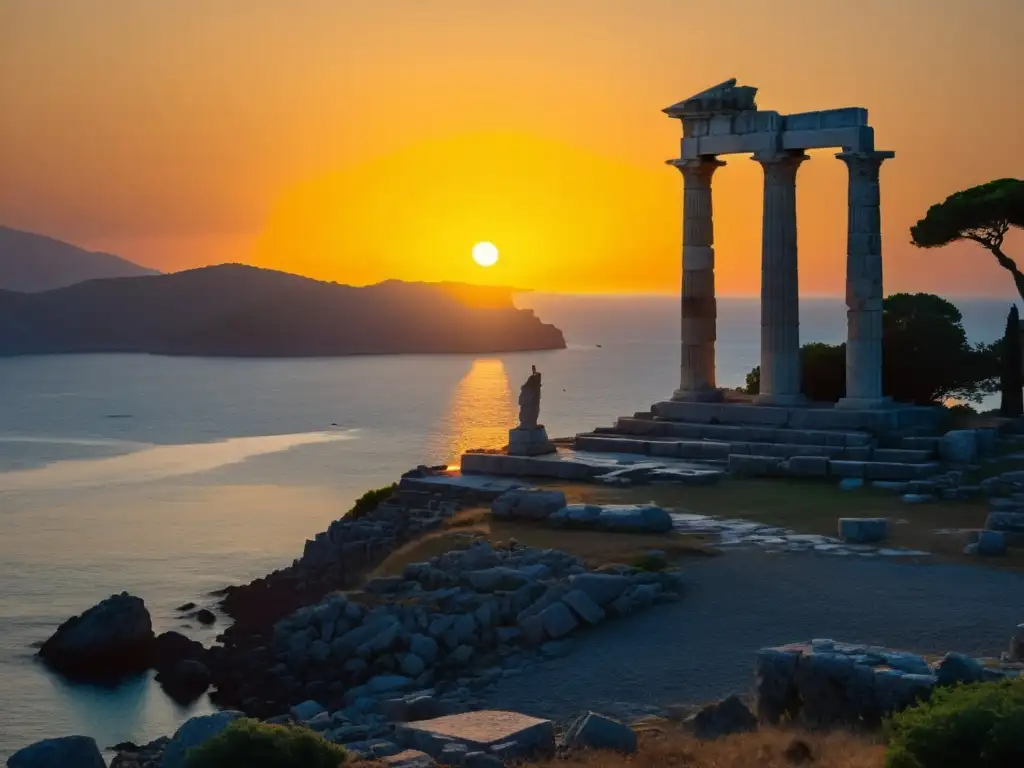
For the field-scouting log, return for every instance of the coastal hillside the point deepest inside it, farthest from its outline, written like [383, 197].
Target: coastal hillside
[237, 310]
[31, 262]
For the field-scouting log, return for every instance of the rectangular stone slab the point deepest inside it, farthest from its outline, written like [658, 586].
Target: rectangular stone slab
[479, 731]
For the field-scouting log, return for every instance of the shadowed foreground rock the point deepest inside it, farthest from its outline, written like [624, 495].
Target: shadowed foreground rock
[66, 752]
[111, 639]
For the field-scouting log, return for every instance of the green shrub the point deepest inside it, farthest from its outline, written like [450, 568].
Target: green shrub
[980, 725]
[368, 502]
[650, 562]
[248, 743]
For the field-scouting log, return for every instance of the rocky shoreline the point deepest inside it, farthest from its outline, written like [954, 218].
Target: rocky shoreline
[357, 662]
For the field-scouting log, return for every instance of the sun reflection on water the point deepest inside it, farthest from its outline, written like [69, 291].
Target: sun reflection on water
[481, 412]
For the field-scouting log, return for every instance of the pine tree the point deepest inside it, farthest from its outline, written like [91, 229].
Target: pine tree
[1012, 403]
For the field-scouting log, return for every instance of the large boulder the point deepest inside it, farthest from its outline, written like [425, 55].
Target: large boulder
[194, 732]
[113, 638]
[722, 718]
[594, 731]
[66, 752]
[186, 681]
[959, 446]
[527, 503]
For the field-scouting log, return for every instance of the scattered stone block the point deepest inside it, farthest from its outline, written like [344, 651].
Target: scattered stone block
[479, 732]
[991, 543]
[602, 588]
[527, 503]
[631, 518]
[558, 620]
[851, 484]
[594, 731]
[863, 530]
[959, 446]
[583, 606]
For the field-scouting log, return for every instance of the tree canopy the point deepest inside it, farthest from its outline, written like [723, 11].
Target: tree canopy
[982, 214]
[927, 358]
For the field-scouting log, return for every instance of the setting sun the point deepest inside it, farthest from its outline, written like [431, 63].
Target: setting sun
[485, 254]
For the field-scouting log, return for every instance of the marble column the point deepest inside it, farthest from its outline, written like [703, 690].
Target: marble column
[863, 282]
[698, 308]
[780, 295]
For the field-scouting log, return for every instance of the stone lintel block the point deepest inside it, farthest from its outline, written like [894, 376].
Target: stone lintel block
[903, 455]
[730, 144]
[855, 138]
[667, 448]
[698, 258]
[808, 466]
[842, 468]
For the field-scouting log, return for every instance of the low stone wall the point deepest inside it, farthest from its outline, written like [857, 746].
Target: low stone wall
[458, 615]
[825, 683]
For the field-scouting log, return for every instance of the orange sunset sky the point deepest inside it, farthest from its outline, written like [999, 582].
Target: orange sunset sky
[358, 140]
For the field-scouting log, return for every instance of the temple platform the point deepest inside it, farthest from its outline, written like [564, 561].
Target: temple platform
[895, 442]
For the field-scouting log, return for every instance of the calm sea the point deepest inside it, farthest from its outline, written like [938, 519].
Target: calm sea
[171, 477]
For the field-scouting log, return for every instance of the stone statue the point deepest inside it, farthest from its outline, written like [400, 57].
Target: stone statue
[529, 401]
[529, 438]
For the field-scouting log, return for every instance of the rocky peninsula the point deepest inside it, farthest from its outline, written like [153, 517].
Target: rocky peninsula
[242, 311]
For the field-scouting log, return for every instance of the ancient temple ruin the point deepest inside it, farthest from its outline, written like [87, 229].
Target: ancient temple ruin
[725, 120]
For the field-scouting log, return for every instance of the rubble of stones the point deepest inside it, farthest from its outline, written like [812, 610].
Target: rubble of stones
[824, 683]
[426, 643]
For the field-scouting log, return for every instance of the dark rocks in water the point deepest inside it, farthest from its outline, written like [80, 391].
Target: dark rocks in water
[186, 681]
[112, 639]
[182, 666]
[186, 607]
[66, 752]
[205, 616]
[172, 647]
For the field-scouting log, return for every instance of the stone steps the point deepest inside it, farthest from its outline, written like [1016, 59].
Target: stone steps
[740, 433]
[818, 466]
[711, 450]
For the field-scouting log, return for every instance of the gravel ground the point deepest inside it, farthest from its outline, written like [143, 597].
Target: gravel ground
[703, 647]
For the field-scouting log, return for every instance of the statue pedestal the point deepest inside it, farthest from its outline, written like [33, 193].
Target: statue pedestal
[529, 441]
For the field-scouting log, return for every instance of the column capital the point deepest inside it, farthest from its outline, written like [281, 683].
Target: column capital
[865, 158]
[700, 168]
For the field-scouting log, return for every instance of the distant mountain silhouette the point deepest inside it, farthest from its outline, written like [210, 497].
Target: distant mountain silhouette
[237, 310]
[30, 262]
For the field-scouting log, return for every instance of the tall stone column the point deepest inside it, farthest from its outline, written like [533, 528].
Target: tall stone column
[863, 282]
[780, 296]
[698, 308]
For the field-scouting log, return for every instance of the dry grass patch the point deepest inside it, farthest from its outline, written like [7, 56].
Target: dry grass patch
[595, 548]
[766, 748]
